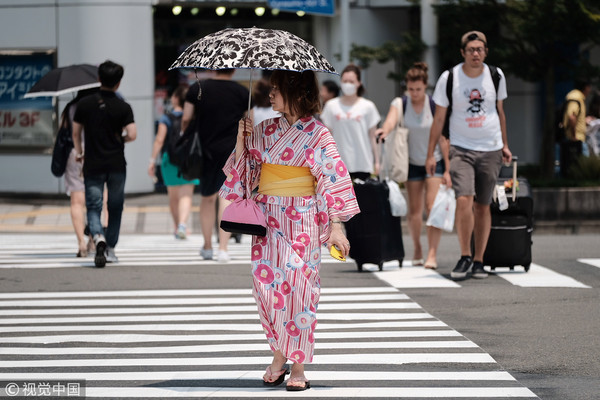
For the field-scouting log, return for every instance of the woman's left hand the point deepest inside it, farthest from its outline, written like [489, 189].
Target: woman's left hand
[338, 239]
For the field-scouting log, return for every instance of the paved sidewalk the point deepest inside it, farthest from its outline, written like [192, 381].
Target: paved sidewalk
[149, 213]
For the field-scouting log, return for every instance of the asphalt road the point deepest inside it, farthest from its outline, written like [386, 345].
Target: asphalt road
[546, 337]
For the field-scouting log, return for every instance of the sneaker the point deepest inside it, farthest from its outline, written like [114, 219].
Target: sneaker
[478, 272]
[100, 257]
[181, 232]
[223, 256]
[110, 255]
[207, 254]
[462, 267]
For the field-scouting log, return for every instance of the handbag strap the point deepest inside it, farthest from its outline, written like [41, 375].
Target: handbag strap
[400, 107]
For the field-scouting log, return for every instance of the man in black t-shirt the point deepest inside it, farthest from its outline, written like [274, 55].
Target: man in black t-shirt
[103, 117]
[221, 105]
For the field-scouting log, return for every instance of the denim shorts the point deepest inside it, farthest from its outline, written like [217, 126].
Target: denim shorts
[418, 172]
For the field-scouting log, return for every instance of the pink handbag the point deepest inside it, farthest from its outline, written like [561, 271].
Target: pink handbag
[244, 216]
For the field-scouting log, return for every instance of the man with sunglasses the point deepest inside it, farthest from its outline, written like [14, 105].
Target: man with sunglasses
[478, 145]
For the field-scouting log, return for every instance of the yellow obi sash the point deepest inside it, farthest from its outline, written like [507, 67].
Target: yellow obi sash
[285, 180]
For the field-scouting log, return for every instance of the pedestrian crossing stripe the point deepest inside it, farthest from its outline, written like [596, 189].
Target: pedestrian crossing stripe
[197, 356]
[32, 251]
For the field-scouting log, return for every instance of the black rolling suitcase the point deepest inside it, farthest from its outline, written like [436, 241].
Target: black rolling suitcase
[375, 235]
[510, 242]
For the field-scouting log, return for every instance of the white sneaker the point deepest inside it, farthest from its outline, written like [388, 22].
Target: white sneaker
[110, 255]
[223, 256]
[207, 254]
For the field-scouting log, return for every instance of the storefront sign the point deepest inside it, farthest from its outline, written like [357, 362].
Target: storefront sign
[319, 7]
[24, 122]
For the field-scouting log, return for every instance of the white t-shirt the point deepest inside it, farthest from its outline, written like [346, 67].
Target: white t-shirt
[474, 122]
[418, 127]
[350, 126]
[263, 113]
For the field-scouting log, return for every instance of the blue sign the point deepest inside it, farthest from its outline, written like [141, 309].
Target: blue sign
[320, 7]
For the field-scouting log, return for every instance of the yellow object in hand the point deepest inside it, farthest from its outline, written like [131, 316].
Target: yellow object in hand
[336, 253]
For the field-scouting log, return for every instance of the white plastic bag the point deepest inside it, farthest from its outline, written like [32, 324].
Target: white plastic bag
[397, 202]
[442, 212]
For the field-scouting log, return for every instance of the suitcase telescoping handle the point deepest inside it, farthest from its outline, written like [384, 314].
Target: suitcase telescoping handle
[514, 177]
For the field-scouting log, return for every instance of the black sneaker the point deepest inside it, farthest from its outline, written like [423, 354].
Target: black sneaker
[462, 267]
[100, 258]
[478, 272]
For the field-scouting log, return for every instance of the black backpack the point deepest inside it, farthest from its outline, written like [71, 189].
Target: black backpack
[173, 135]
[495, 78]
[560, 130]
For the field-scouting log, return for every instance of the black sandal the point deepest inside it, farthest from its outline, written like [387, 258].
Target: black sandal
[283, 372]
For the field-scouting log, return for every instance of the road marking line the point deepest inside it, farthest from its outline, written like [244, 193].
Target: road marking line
[590, 261]
[257, 375]
[210, 317]
[212, 327]
[539, 276]
[168, 338]
[319, 392]
[333, 359]
[410, 277]
[218, 348]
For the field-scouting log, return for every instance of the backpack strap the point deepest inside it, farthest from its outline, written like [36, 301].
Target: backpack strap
[404, 101]
[446, 127]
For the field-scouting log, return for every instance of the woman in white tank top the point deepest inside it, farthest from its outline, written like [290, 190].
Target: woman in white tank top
[418, 117]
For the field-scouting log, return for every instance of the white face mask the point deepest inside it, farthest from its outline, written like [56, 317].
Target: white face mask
[349, 89]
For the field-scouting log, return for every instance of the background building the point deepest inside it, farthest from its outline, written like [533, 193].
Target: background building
[146, 36]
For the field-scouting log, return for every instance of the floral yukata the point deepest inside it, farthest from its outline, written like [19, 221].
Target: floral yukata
[285, 263]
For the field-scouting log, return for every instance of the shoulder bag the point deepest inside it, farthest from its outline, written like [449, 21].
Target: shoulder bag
[62, 148]
[397, 148]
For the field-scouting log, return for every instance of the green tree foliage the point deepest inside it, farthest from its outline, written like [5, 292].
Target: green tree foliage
[405, 52]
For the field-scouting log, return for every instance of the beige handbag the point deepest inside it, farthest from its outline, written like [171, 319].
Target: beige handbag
[397, 148]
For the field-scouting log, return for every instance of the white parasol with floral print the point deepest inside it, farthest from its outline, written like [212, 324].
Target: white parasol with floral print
[253, 48]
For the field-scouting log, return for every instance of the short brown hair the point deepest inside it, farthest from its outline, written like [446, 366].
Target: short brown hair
[300, 91]
[418, 72]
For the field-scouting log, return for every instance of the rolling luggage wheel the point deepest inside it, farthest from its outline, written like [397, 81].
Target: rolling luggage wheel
[400, 261]
[359, 266]
[381, 266]
[526, 267]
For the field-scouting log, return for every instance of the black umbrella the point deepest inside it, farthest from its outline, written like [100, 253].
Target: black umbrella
[65, 80]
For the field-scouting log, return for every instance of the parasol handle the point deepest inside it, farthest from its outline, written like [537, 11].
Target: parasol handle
[250, 93]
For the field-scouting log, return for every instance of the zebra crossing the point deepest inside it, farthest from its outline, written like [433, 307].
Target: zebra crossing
[30, 251]
[372, 342]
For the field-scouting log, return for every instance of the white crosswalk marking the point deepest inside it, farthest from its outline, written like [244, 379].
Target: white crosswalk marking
[378, 351]
[590, 261]
[31, 251]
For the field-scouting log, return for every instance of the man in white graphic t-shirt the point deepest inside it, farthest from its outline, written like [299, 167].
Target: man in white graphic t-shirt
[478, 145]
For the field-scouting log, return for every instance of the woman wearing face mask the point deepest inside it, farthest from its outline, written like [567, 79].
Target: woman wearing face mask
[352, 120]
[418, 117]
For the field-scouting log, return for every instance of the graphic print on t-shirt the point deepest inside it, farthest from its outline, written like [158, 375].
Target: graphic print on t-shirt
[477, 109]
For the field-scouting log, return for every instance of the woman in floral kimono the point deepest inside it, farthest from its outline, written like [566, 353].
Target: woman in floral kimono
[306, 193]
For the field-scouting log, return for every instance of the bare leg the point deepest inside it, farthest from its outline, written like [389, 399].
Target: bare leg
[105, 207]
[297, 377]
[173, 192]
[483, 224]
[186, 193]
[223, 236]
[433, 234]
[207, 218]
[415, 215]
[78, 219]
[464, 223]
